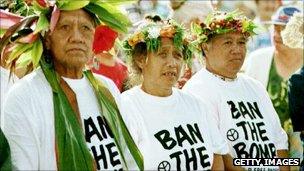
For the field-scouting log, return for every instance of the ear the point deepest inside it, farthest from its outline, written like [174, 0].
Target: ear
[205, 47]
[140, 61]
[48, 41]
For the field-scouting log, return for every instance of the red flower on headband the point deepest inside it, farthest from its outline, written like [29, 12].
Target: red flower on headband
[104, 39]
[42, 3]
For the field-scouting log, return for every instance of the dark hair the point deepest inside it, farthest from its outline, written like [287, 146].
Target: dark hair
[153, 17]
[135, 76]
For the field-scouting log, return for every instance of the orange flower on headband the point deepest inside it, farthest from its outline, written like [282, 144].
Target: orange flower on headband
[167, 31]
[139, 37]
[104, 39]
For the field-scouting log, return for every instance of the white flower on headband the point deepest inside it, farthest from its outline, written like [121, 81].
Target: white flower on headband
[153, 32]
[293, 34]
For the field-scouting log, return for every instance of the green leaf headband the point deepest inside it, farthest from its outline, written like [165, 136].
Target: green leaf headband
[221, 23]
[151, 34]
[23, 41]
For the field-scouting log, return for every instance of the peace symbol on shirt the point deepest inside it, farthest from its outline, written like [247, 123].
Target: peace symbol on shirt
[232, 134]
[164, 166]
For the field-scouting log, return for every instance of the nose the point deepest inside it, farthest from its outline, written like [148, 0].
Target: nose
[171, 61]
[237, 49]
[76, 35]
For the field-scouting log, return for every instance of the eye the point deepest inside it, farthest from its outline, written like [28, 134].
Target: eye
[228, 42]
[162, 55]
[178, 55]
[86, 27]
[242, 42]
[65, 27]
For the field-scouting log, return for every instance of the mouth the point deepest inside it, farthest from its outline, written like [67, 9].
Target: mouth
[170, 74]
[236, 59]
[75, 49]
[278, 41]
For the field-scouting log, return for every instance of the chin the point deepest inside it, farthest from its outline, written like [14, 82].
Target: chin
[170, 83]
[76, 62]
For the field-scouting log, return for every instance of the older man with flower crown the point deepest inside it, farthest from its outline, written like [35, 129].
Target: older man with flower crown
[61, 117]
[241, 106]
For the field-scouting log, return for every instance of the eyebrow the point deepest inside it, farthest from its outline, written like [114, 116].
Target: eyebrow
[67, 21]
[230, 38]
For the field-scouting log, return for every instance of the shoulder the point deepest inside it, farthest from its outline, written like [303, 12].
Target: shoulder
[298, 76]
[202, 86]
[34, 81]
[259, 56]
[129, 94]
[296, 80]
[197, 80]
[108, 83]
[251, 82]
[189, 99]
[27, 97]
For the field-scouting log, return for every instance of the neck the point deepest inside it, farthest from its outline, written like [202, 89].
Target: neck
[287, 62]
[155, 90]
[225, 75]
[68, 72]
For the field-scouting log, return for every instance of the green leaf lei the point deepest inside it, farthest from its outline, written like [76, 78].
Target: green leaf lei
[167, 28]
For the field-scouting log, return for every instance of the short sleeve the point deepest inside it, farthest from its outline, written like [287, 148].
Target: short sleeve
[281, 139]
[219, 144]
[134, 124]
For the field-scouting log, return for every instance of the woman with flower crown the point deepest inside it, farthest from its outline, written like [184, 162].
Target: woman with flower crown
[61, 116]
[170, 128]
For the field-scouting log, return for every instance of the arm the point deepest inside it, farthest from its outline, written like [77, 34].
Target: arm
[228, 163]
[283, 154]
[218, 163]
[18, 128]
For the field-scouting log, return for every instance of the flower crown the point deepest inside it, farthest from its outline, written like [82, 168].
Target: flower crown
[221, 23]
[152, 32]
[22, 42]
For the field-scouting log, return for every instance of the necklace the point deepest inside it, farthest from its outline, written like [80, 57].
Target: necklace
[224, 78]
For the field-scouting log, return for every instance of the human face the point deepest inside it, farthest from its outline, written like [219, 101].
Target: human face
[225, 54]
[161, 69]
[72, 39]
[277, 38]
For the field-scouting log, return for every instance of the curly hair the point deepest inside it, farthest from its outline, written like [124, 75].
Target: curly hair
[135, 72]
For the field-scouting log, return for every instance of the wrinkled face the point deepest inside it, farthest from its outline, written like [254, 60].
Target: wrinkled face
[277, 38]
[162, 68]
[225, 53]
[72, 39]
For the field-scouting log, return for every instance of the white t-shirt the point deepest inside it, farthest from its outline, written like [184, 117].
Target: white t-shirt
[171, 132]
[29, 123]
[243, 112]
[5, 85]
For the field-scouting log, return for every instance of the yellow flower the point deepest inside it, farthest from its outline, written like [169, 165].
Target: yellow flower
[136, 38]
[167, 32]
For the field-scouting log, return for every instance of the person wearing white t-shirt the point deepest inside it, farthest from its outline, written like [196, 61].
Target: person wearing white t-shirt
[243, 110]
[6, 83]
[61, 116]
[171, 129]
